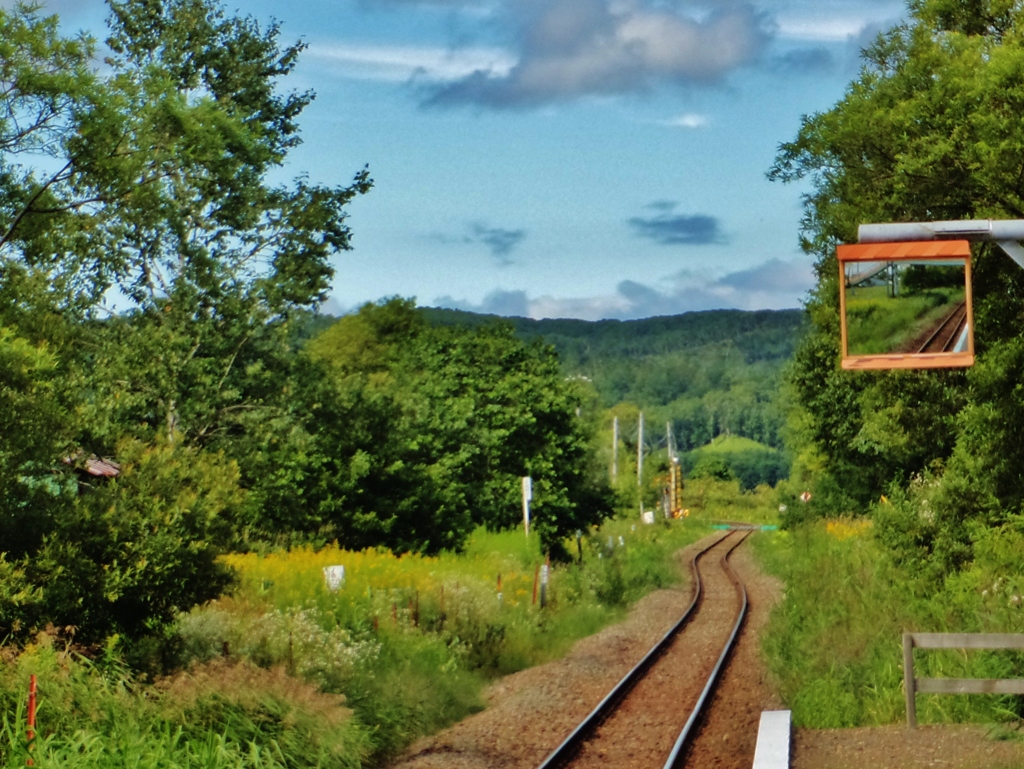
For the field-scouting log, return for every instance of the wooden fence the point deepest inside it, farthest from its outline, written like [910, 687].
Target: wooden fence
[956, 685]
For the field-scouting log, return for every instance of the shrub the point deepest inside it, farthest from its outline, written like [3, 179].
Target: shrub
[96, 715]
[130, 553]
[248, 705]
[411, 640]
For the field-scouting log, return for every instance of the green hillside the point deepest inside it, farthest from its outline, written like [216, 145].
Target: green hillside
[759, 335]
[707, 373]
[733, 456]
[730, 444]
[713, 376]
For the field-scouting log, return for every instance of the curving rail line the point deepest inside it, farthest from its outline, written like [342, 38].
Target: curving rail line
[944, 338]
[566, 752]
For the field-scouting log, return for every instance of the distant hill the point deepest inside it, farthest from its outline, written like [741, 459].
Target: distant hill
[709, 373]
[759, 335]
[750, 462]
[731, 444]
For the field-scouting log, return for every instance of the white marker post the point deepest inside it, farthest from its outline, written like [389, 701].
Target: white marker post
[640, 463]
[334, 576]
[615, 449]
[527, 496]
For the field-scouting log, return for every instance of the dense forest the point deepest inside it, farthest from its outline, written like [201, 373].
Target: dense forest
[654, 361]
[698, 376]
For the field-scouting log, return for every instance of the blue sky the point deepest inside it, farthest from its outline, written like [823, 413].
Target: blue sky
[564, 158]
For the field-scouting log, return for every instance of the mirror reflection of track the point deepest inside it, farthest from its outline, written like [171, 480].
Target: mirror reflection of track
[652, 715]
[945, 336]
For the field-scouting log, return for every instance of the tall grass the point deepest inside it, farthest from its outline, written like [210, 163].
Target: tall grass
[220, 716]
[834, 645]
[878, 323]
[410, 640]
[286, 673]
[710, 499]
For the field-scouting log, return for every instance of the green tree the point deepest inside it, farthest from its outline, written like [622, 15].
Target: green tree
[150, 183]
[137, 549]
[439, 424]
[33, 433]
[928, 131]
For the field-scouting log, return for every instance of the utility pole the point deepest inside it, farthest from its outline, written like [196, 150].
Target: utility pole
[668, 441]
[527, 482]
[640, 463]
[615, 449]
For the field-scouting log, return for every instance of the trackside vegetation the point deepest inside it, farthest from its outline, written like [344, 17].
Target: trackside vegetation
[286, 673]
[176, 474]
[879, 324]
[136, 447]
[921, 134]
[914, 515]
[834, 644]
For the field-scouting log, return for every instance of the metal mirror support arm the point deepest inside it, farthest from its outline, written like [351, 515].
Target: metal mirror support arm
[1006, 232]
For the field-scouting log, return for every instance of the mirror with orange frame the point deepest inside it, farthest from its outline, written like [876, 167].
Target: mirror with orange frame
[906, 305]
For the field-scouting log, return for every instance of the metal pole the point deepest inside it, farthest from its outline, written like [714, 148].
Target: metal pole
[1006, 232]
[527, 496]
[640, 463]
[991, 230]
[615, 449]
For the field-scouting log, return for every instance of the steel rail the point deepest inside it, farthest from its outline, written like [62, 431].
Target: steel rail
[678, 754]
[571, 744]
[955, 313]
[955, 332]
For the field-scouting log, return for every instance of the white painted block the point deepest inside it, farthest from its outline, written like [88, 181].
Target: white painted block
[334, 576]
[773, 736]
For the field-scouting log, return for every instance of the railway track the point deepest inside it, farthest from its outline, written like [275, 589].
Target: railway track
[651, 716]
[945, 336]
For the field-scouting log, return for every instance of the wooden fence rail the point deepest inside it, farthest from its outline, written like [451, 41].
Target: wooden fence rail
[913, 685]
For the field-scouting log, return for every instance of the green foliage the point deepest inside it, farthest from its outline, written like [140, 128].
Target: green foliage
[709, 372]
[765, 334]
[295, 723]
[32, 433]
[429, 430]
[126, 557]
[711, 499]
[712, 466]
[878, 324]
[838, 662]
[276, 700]
[152, 180]
[734, 457]
[411, 641]
[928, 131]
[217, 716]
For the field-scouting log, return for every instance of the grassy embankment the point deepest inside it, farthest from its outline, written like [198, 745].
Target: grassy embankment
[286, 673]
[750, 462]
[834, 645]
[877, 323]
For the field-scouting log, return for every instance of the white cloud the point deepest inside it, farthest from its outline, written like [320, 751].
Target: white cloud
[400, 63]
[821, 29]
[573, 48]
[773, 285]
[687, 120]
[584, 308]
